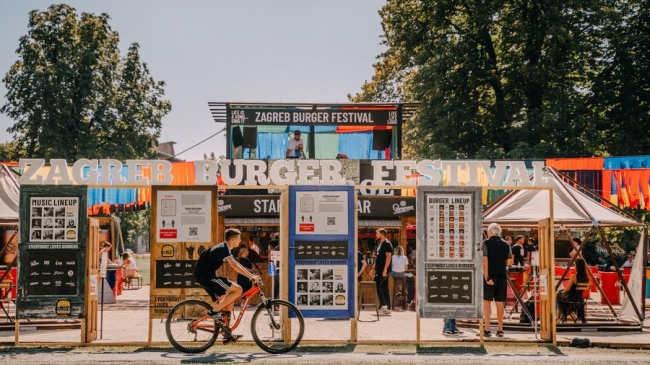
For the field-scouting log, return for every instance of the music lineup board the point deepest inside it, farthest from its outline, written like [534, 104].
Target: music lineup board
[449, 257]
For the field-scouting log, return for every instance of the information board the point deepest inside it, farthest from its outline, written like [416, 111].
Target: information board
[449, 257]
[183, 216]
[322, 256]
[52, 258]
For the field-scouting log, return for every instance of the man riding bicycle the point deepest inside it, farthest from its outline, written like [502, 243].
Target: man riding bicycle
[205, 273]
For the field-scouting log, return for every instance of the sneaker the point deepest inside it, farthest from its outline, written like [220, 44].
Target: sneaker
[219, 315]
[384, 310]
[448, 332]
[231, 339]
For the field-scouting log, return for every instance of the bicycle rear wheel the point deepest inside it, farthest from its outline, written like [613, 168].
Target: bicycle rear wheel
[189, 328]
[269, 331]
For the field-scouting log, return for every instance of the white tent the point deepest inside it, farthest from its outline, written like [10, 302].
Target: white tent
[571, 207]
[9, 196]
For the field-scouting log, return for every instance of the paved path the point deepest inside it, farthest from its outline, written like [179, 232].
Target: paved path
[127, 321]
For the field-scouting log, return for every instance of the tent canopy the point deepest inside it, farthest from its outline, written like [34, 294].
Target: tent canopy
[9, 196]
[571, 207]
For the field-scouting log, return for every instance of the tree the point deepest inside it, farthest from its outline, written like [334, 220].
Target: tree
[71, 95]
[622, 87]
[494, 79]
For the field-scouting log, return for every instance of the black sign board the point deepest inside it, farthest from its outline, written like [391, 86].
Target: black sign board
[321, 250]
[249, 206]
[386, 207]
[302, 117]
[52, 258]
[175, 274]
[52, 271]
[450, 286]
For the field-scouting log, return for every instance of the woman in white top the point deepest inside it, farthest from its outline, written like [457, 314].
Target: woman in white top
[130, 268]
[399, 263]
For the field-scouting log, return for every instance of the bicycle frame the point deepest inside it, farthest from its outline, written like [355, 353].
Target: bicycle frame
[248, 295]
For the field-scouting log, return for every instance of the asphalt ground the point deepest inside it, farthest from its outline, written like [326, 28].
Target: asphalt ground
[334, 354]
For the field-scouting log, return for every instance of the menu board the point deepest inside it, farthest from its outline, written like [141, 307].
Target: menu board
[321, 250]
[321, 286]
[54, 219]
[52, 270]
[449, 286]
[175, 274]
[449, 227]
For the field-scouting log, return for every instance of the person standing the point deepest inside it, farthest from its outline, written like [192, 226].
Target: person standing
[382, 269]
[296, 146]
[496, 253]
[518, 251]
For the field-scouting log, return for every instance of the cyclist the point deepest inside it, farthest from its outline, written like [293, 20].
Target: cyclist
[205, 273]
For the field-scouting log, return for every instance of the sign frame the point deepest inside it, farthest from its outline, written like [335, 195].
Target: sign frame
[302, 271]
[448, 277]
[62, 271]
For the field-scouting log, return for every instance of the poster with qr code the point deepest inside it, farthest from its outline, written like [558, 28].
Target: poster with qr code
[321, 212]
[183, 216]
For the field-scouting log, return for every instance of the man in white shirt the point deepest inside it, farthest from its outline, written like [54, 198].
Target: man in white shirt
[296, 146]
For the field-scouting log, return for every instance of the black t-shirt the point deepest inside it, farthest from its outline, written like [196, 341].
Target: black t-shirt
[360, 258]
[497, 252]
[211, 260]
[518, 255]
[384, 248]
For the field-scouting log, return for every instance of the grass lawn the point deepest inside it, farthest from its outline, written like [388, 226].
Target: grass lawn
[143, 261]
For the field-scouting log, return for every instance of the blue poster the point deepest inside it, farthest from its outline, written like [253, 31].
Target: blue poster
[322, 250]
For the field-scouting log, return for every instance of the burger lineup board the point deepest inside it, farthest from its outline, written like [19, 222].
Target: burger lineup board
[449, 257]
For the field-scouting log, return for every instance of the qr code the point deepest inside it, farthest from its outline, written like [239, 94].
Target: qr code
[194, 231]
[331, 221]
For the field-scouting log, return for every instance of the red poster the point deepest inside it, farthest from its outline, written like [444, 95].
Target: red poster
[306, 227]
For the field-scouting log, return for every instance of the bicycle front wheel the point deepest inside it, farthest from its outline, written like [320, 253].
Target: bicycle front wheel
[189, 327]
[270, 331]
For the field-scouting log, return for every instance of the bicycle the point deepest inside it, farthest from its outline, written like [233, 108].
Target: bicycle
[191, 329]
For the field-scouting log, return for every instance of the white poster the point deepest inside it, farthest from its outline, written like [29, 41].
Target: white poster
[183, 216]
[54, 219]
[322, 287]
[322, 212]
[449, 226]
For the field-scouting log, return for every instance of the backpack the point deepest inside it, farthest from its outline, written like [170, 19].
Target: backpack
[530, 305]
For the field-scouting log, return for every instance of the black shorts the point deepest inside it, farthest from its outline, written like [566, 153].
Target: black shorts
[215, 286]
[496, 292]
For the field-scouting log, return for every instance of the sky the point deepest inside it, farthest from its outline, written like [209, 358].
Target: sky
[237, 50]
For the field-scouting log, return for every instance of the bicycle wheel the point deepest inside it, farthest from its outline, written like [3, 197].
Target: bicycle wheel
[189, 328]
[268, 330]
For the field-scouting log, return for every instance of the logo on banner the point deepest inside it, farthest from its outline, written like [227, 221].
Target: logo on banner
[223, 207]
[167, 251]
[168, 233]
[402, 208]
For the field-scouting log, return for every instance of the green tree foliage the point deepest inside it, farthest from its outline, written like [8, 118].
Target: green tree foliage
[622, 87]
[499, 79]
[71, 95]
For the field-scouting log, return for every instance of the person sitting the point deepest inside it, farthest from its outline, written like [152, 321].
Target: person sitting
[130, 268]
[572, 294]
[630, 260]
[400, 264]
[295, 147]
[603, 264]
